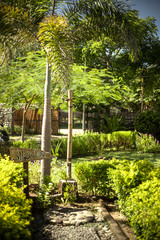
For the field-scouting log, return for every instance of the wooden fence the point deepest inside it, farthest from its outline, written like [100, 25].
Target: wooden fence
[34, 120]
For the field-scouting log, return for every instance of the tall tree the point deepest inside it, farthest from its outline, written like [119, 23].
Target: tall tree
[54, 33]
[22, 84]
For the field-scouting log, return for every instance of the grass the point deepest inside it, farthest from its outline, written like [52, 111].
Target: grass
[134, 155]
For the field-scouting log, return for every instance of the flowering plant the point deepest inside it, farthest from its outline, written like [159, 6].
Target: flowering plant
[147, 143]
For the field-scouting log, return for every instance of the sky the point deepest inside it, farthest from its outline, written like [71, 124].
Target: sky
[149, 8]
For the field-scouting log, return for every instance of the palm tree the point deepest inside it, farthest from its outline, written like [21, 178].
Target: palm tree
[85, 19]
[55, 35]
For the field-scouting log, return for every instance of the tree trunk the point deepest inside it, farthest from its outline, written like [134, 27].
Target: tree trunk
[27, 105]
[84, 118]
[142, 92]
[23, 124]
[46, 125]
[12, 120]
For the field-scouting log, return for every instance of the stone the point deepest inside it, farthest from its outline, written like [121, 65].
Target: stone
[66, 223]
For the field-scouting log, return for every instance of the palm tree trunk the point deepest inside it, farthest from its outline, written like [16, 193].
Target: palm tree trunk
[46, 125]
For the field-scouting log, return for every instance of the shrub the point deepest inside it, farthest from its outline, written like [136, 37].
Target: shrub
[147, 143]
[127, 175]
[148, 122]
[92, 176]
[142, 208]
[15, 214]
[81, 144]
[90, 143]
[113, 123]
[125, 139]
[29, 143]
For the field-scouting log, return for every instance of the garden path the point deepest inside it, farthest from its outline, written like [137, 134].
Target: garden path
[89, 221]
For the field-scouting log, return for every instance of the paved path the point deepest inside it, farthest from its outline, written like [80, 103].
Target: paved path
[76, 223]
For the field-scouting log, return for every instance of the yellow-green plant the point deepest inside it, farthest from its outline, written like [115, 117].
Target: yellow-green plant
[15, 214]
[142, 208]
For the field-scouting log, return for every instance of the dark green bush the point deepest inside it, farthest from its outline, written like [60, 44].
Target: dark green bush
[15, 214]
[93, 178]
[142, 208]
[148, 122]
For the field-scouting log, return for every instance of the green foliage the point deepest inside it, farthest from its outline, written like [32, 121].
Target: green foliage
[69, 192]
[55, 36]
[93, 177]
[95, 86]
[119, 139]
[136, 184]
[22, 83]
[148, 122]
[45, 191]
[81, 145]
[90, 143]
[34, 172]
[15, 214]
[11, 172]
[147, 143]
[29, 143]
[127, 175]
[142, 209]
[113, 123]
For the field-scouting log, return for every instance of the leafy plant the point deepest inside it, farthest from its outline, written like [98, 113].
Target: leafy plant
[127, 175]
[147, 143]
[69, 193]
[45, 191]
[113, 123]
[15, 214]
[34, 172]
[93, 176]
[142, 208]
[55, 151]
[29, 143]
[90, 143]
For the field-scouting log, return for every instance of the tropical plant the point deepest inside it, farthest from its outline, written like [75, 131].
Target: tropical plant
[142, 209]
[54, 35]
[113, 123]
[15, 215]
[147, 143]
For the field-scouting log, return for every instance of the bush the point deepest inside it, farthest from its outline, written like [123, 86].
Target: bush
[113, 123]
[147, 143]
[90, 143]
[81, 145]
[92, 177]
[29, 143]
[148, 122]
[127, 175]
[15, 214]
[142, 208]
